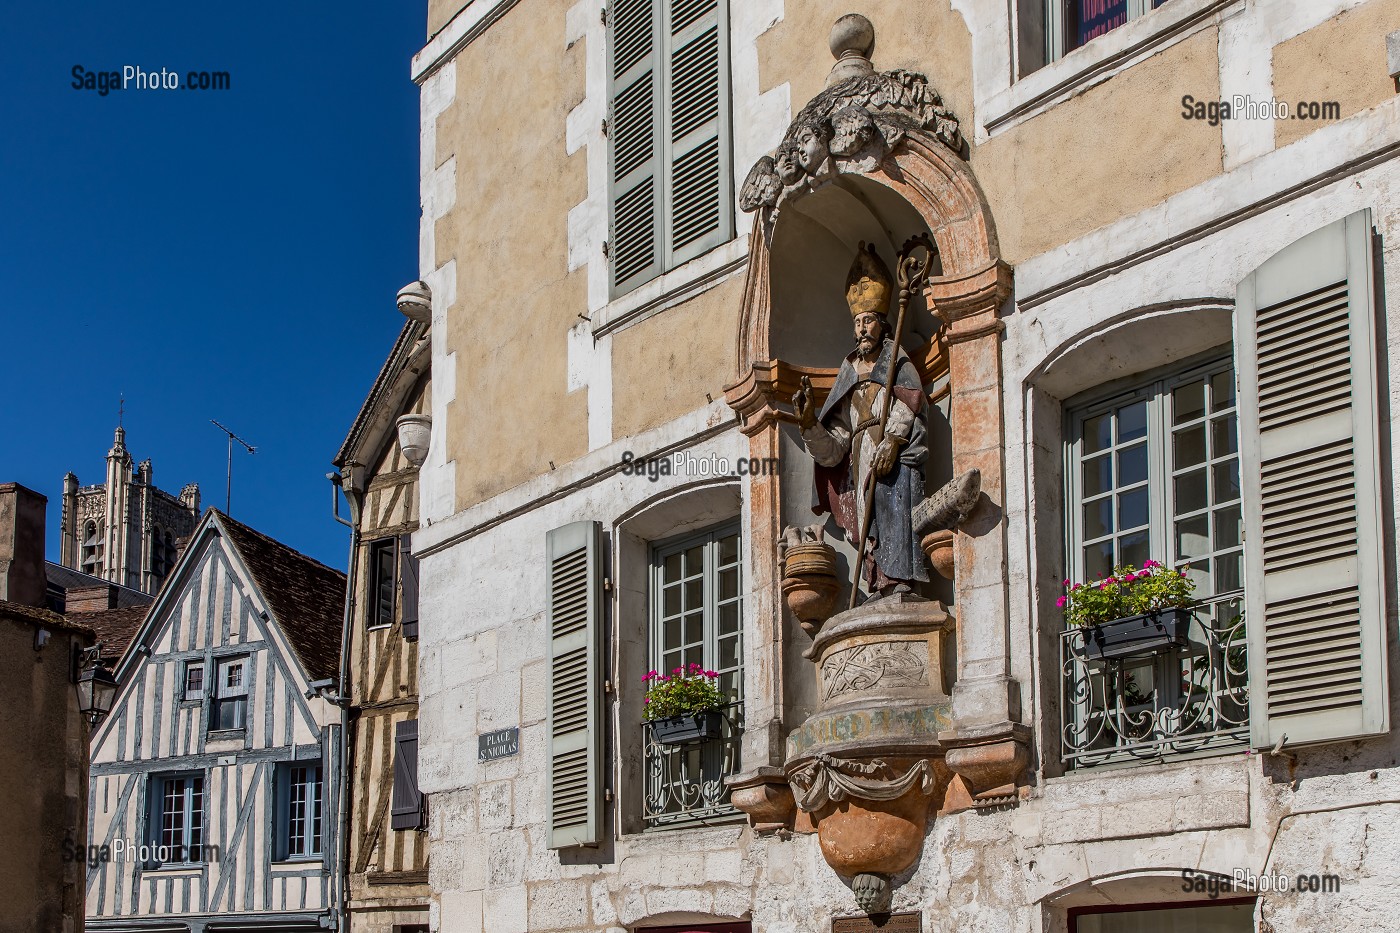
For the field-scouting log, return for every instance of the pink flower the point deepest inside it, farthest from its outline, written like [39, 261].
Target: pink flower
[1066, 582]
[646, 700]
[710, 673]
[1150, 563]
[1060, 602]
[1103, 585]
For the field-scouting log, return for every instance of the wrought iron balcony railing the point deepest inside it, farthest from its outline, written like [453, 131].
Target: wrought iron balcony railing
[685, 783]
[1169, 702]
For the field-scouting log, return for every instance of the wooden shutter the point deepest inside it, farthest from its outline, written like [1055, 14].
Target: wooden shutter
[696, 120]
[1315, 607]
[634, 135]
[575, 599]
[408, 579]
[406, 808]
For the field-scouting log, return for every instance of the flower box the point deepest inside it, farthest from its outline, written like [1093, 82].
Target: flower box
[1139, 634]
[685, 730]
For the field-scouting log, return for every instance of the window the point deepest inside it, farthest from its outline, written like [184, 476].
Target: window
[194, 680]
[670, 165]
[1071, 23]
[1153, 472]
[406, 810]
[1167, 918]
[382, 582]
[696, 618]
[176, 819]
[299, 796]
[157, 555]
[92, 550]
[230, 708]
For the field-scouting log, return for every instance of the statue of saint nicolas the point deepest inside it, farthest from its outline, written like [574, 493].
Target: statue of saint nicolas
[846, 441]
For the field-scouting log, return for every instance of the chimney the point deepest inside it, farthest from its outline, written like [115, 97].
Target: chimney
[22, 576]
[91, 598]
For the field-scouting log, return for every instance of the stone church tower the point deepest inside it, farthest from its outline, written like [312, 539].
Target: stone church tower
[125, 530]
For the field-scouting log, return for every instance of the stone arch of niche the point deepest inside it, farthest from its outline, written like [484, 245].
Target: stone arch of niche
[961, 362]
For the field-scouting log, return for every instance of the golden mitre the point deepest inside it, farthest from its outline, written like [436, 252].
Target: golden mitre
[868, 284]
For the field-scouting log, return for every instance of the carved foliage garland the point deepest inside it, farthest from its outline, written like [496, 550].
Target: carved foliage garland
[825, 780]
[849, 127]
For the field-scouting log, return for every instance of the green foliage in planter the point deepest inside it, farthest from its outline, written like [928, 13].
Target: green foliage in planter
[684, 693]
[1126, 592]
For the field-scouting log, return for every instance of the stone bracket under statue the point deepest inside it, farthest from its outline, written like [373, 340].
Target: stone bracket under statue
[883, 752]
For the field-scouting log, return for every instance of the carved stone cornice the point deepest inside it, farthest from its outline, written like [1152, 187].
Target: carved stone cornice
[965, 301]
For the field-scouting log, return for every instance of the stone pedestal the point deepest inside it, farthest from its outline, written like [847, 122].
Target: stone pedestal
[867, 765]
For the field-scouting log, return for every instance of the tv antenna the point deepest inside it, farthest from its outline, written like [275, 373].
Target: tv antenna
[228, 485]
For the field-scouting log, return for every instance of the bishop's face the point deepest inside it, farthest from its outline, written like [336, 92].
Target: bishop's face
[869, 328]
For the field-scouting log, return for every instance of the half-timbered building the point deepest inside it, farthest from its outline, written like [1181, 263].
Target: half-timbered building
[386, 867]
[212, 778]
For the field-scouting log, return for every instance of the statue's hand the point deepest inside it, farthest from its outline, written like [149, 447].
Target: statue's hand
[886, 456]
[805, 405]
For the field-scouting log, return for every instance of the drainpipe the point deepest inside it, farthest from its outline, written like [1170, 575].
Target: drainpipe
[352, 492]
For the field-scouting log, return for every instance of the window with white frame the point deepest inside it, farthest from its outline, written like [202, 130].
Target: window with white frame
[670, 161]
[696, 619]
[175, 815]
[194, 681]
[300, 794]
[1153, 473]
[229, 710]
[1072, 23]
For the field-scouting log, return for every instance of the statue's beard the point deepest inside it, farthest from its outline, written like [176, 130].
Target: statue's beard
[865, 347]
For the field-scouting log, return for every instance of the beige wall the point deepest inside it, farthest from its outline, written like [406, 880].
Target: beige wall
[1114, 150]
[43, 799]
[664, 366]
[1342, 60]
[512, 413]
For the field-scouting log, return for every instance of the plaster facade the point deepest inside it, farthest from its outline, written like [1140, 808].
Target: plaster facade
[1113, 236]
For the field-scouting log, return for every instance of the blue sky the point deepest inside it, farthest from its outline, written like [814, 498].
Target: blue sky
[208, 254]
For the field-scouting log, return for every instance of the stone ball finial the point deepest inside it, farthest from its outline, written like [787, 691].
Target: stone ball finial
[852, 35]
[852, 40]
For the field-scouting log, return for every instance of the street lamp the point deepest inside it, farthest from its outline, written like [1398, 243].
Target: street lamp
[97, 688]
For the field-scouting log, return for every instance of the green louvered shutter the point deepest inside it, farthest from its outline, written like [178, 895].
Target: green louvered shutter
[634, 135]
[696, 120]
[1315, 605]
[575, 598]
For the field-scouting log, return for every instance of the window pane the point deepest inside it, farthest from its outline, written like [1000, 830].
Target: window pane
[671, 568]
[695, 593]
[1093, 18]
[1132, 465]
[1098, 518]
[1229, 527]
[1190, 492]
[671, 634]
[729, 618]
[729, 583]
[1098, 560]
[1134, 548]
[1132, 422]
[1189, 401]
[1132, 509]
[729, 653]
[1229, 573]
[1189, 447]
[1227, 480]
[1098, 433]
[729, 549]
[1193, 537]
[671, 600]
[694, 628]
[1097, 475]
[1222, 390]
[1223, 436]
[695, 560]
